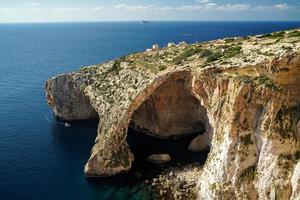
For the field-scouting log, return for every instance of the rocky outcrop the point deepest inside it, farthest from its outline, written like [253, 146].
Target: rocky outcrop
[66, 99]
[244, 92]
[159, 158]
[200, 143]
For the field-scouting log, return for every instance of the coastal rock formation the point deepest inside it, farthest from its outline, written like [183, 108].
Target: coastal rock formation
[199, 143]
[244, 93]
[66, 99]
[159, 158]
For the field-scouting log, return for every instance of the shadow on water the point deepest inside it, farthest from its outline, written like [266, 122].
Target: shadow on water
[74, 143]
[131, 185]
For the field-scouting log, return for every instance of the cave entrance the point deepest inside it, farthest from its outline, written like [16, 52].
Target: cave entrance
[167, 122]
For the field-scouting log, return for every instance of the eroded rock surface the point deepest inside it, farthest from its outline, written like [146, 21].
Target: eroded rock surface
[159, 158]
[245, 93]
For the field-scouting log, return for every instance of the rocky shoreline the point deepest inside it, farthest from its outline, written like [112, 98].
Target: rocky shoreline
[177, 183]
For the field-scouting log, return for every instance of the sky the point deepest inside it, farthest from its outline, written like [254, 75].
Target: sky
[133, 10]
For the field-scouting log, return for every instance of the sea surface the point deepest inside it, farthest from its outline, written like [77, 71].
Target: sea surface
[40, 158]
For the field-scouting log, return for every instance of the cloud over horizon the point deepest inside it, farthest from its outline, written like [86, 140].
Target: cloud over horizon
[196, 10]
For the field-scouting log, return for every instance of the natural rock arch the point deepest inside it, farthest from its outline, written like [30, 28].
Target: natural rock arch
[111, 154]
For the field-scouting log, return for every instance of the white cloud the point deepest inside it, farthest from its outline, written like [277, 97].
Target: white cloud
[9, 9]
[34, 3]
[120, 6]
[34, 9]
[234, 7]
[66, 9]
[282, 6]
[165, 8]
[275, 7]
[134, 7]
[215, 7]
[203, 1]
[98, 8]
[198, 5]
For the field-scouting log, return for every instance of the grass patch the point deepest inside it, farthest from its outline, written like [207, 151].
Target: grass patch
[213, 56]
[258, 81]
[190, 51]
[116, 67]
[244, 79]
[294, 34]
[287, 48]
[232, 51]
[162, 67]
[267, 82]
[229, 40]
[273, 35]
[185, 54]
[145, 64]
[285, 122]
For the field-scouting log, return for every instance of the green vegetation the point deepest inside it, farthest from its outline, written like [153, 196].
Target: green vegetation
[273, 35]
[190, 51]
[259, 80]
[229, 40]
[232, 51]
[248, 175]
[116, 67]
[213, 56]
[224, 52]
[295, 33]
[147, 64]
[287, 48]
[185, 54]
[162, 67]
[267, 82]
[244, 79]
[285, 122]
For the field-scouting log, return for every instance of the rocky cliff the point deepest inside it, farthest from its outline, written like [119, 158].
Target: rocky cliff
[243, 92]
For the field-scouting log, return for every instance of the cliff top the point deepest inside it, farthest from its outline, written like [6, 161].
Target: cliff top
[228, 52]
[121, 80]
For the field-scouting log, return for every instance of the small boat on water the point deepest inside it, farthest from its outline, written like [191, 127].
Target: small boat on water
[145, 22]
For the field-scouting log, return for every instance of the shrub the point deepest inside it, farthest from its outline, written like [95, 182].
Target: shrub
[232, 51]
[294, 34]
[273, 35]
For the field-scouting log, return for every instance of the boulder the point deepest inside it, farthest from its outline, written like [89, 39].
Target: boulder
[159, 158]
[198, 143]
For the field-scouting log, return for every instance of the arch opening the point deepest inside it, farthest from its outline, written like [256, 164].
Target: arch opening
[170, 122]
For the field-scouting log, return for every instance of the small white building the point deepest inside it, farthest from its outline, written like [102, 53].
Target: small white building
[155, 47]
[171, 44]
[183, 43]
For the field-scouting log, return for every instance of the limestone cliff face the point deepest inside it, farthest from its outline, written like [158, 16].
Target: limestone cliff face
[66, 99]
[244, 92]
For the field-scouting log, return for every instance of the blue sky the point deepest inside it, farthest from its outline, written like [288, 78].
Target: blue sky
[98, 10]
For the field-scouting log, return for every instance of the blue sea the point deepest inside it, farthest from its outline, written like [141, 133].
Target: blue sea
[41, 159]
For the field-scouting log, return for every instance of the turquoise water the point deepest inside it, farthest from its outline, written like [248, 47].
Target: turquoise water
[40, 159]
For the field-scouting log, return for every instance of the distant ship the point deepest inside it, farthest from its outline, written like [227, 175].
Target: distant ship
[145, 22]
